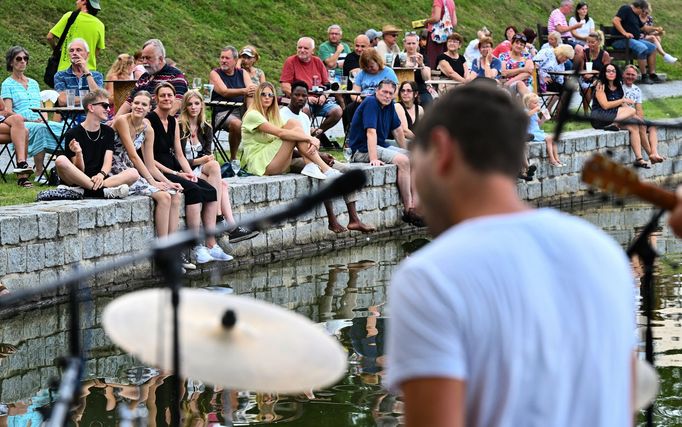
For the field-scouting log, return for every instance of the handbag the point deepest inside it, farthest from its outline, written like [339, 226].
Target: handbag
[443, 28]
[53, 60]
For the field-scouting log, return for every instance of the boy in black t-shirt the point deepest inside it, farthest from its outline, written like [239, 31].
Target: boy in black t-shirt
[86, 162]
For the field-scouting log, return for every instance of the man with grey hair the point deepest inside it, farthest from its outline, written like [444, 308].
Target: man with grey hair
[154, 61]
[78, 76]
[333, 52]
[231, 84]
[309, 68]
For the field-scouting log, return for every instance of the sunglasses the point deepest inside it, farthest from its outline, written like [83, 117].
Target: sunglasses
[520, 37]
[267, 95]
[104, 105]
[21, 58]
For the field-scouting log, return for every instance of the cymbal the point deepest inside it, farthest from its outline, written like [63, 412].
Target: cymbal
[268, 348]
[646, 384]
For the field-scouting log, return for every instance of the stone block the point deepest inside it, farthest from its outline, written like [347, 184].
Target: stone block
[68, 222]
[391, 174]
[113, 242]
[241, 195]
[534, 190]
[16, 260]
[92, 246]
[522, 190]
[549, 187]
[87, 217]
[303, 234]
[48, 275]
[54, 253]
[391, 217]
[3, 262]
[28, 227]
[259, 244]
[72, 250]
[569, 146]
[258, 192]
[141, 209]
[47, 225]
[10, 228]
[275, 239]
[124, 211]
[590, 143]
[106, 214]
[377, 176]
[535, 150]
[287, 189]
[273, 191]
[35, 257]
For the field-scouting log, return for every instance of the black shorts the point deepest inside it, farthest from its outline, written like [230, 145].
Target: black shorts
[195, 192]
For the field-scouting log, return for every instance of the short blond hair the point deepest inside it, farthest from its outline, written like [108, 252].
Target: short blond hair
[529, 97]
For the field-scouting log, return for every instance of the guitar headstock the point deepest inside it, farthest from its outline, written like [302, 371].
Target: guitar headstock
[608, 175]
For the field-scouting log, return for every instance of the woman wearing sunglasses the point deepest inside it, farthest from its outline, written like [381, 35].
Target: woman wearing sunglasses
[20, 94]
[269, 143]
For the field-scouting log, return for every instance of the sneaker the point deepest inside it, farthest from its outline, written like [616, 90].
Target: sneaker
[313, 171]
[669, 58]
[23, 167]
[118, 192]
[201, 254]
[186, 263]
[240, 234]
[40, 179]
[646, 80]
[531, 170]
[217, 253]
[654, 78]
[332, 173]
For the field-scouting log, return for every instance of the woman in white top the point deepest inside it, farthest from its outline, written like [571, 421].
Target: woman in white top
[581, 15]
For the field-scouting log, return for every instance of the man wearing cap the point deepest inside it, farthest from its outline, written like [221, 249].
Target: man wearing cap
[389, 42]
[86, 26]
[333, 52]
[373, 36]
[234, 85]
[309, 68]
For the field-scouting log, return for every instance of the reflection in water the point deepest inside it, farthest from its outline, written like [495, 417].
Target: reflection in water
[345, 292]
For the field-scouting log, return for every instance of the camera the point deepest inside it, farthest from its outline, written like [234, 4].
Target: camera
[319, 90]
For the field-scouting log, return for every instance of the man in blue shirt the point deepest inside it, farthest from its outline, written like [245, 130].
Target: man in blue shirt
[373, 122]
[78, 76]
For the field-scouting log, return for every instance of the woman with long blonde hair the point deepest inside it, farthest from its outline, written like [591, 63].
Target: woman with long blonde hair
[122, 69]
[269, 143]
[196, 138]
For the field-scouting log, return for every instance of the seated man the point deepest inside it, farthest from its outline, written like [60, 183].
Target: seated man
[373, 122]
[333, 52]
[154, 61]
[557, 22]
[78, 76]
[89, 151]
[231, 84]
[389, 42]
[299, 97]
[373, 36]
[627, 24]
[647, 134]
[310, 69]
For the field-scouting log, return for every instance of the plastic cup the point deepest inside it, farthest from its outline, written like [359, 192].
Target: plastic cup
[81, 94]
[196, 83]
[70, 98]
[389, 60]
[208, 91]
[588, 66]
[344, 82]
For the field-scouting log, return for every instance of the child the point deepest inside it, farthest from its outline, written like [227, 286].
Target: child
[532, 103]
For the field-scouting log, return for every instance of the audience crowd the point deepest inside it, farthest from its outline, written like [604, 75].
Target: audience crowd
[159, 142]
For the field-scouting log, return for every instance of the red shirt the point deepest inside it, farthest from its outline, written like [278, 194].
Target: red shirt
[294, 69]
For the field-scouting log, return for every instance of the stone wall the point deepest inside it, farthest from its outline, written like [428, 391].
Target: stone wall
[40, 241]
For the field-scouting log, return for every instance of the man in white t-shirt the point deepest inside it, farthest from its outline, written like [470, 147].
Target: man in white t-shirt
[299, 97]
[647, 134]
[512, 316]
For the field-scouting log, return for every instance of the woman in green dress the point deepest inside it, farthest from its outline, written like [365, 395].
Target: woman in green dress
[268, 143]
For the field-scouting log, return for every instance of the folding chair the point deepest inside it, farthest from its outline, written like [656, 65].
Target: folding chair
[5, 148]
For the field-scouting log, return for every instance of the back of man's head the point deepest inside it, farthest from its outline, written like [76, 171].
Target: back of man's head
[487, 125]
[92, 97]
[641, 4]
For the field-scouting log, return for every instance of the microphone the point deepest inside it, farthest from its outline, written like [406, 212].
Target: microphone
[350, 181]
[564, 113]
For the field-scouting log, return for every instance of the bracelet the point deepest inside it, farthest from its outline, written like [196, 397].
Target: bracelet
[104, 174]
[175, 173]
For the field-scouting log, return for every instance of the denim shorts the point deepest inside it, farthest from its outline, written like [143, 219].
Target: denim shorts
[641, 48]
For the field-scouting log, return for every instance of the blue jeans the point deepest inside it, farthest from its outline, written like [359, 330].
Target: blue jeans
[641, 48]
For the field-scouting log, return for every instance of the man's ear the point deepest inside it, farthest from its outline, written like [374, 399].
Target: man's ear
[444, 152]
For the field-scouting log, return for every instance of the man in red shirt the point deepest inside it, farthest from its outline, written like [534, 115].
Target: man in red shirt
[309, 68]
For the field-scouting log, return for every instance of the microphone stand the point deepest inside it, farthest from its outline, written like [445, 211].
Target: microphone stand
[643, 249]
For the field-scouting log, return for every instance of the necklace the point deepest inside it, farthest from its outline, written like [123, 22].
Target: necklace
[136, 129]
[87, 133]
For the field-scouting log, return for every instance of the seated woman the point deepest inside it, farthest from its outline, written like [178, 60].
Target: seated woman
[269, 144]
[553, 40]
[248, 57]
[196, 141]
[610, 104]
[122, 69]
[579, 35]
[472, 50]
[451, 64]
[134, 135]
[200, 196]
[408, 107]
[13, 131]
[505, 46]
[486, 65]
[654, 34]
[517, 67]
[20, 94]
[422, 73]
[549, 61]
[373, 71]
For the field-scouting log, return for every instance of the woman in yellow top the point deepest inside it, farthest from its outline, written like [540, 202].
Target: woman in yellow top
[268, 143]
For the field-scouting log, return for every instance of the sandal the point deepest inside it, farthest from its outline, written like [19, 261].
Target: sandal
[24, 182]
[3, 290]
[640, 163]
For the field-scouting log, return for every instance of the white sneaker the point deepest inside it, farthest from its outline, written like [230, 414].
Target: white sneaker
[118, 192]
[186, 263]
[332, 173]
[201, 254]
[217, 253]
[669, 58]
[75, 189]
[313, 171]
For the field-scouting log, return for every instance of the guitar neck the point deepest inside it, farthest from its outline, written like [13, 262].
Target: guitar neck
[658, 196]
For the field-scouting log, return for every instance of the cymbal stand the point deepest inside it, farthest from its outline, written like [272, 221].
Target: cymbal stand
[646, 253]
